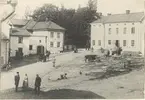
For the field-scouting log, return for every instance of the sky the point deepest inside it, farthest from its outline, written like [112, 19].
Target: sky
[104, 6]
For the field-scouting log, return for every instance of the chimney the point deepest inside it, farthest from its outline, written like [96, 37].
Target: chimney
[109, 14]
[127, 11]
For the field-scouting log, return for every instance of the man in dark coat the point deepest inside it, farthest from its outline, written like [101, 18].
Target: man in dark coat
[17, 79]
[37, 84]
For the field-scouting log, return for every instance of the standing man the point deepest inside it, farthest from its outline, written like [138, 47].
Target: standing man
[37, 84]
[17, 79]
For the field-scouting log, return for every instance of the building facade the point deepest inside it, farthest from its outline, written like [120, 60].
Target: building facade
[32, 37]
[125, 30]
[6, 13]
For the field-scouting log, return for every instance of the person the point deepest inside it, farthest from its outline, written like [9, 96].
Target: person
[37, 84]
[54, 61]
[48, 54]
[44, 58]
[17, 79]
[25, 82]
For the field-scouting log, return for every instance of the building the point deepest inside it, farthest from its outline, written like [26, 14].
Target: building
[31, 37]
[125, 30]
[6, 13]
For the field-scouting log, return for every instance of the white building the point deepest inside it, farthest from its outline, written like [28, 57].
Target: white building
[125, 30]
[6, 13]
[32, 37]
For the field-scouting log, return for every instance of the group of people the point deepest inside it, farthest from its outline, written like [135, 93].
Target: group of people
[25, 84]
[43, 57]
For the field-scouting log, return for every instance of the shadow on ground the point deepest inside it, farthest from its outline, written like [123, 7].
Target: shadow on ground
[52, 94]
[25, 61]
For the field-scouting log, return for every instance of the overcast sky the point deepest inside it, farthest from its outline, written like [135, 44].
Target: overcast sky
[104, 6]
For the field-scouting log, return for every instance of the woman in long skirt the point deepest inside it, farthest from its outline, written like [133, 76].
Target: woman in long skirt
[25, 82]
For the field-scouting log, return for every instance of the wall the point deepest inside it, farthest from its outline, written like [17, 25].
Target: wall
[36, 39]
[44, 34]
[97, 33]
[14, 45]
[121, 36]
[4, 51]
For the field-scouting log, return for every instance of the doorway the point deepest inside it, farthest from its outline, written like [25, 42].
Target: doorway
[117, 43]
[40, 50]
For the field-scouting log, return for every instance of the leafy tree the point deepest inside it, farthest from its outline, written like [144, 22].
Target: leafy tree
[76, 22]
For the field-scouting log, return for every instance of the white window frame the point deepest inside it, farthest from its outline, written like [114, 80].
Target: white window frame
[109, 31]
[58, 45]
[51, 44]
[124, 43]
[51, 34]
[132, 43]
[99, 42]
[109, 42]
[133, 30]
[125, 30]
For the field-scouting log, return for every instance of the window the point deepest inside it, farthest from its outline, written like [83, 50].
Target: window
[30, 47]
[109, 42]
[99, 42]
[58, 35]
[109, 31]
[51, 44]
[124, 31]
[124, 43]
[93, 42]
[39, 41]
[109, 24]
[117, 30]
[52, 34]
[58, 44]
[132, 23]
[20, 39]
[132, 43]
[133, 30]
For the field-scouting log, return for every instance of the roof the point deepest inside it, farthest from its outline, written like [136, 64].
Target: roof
[47, 25]
[33, 25]
[20, 32]
[19, 22]
[118, 18]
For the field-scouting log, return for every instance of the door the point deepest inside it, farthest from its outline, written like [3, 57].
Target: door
[20, 50]
[40, 50]
[117, 43]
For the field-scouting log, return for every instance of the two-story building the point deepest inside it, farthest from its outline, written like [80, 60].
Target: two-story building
[31, 37]
[7, 12]
[125, 30]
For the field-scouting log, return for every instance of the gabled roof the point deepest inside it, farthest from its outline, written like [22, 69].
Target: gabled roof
[33, 25]
[20, 22]
[118, 18]
[20, 32]
[47, 25]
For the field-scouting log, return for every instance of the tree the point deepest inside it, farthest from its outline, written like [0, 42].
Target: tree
[76, 22]
[27, 13]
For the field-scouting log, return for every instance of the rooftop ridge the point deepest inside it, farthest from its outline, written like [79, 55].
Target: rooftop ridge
[124, 14]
